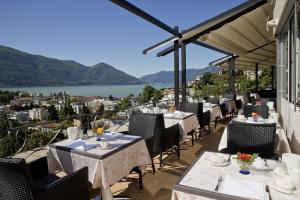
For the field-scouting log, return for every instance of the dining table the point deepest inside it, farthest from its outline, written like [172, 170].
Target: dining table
[206, 179]
[229, 105]
[215, 111]
[106, 165]
[282, 144]
[187, 122]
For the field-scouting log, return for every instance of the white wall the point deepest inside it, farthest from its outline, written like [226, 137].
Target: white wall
[291, 123]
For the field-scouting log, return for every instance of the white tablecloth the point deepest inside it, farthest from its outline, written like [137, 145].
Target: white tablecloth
[282, 146]
[102, 172]
[187, 123]
[215, 111]
[204, 176]
[230, 105]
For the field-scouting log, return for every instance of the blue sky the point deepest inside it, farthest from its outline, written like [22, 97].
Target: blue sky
[96, 31]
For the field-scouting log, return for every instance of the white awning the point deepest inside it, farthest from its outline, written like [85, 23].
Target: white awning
[247, 38]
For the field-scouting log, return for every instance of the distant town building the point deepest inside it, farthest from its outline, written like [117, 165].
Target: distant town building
[59, 106]
[46, 128]
[19, 116]
[38, 113]
[21, 101]
[77, 108]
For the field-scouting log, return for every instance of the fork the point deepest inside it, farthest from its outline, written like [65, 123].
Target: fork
[268, 191]
[220, 179]
[266, 164]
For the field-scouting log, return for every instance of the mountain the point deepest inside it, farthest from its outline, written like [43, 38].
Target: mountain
[168, 76]
[19, 68]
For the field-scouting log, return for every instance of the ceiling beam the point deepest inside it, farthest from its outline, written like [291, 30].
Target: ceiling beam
[139, 12]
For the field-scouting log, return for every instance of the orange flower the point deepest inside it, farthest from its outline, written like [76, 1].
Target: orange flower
[100, 131]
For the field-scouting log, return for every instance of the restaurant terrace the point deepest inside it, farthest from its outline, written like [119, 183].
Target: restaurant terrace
[229, 147]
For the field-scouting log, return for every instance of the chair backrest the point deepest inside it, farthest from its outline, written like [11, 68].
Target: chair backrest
[15, 180]
[251, 138]
[230, 96]
[238, 104]
[263, 110]
[148, 126]
[213, 100]
[196, 108]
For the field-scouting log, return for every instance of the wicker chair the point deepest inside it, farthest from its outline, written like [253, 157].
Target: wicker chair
[152, 128]
[213, 100]
[21, 181]
[239, 104]
[251, 138]
[263, 110]
[197, 108]
[230, 96]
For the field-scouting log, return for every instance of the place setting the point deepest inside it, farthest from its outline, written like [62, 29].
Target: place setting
[217, 159]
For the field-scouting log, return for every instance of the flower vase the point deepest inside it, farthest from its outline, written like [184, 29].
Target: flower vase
[244, 167]
[98, 138]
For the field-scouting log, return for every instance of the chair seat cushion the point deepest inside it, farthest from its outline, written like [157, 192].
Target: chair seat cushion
[43, 182]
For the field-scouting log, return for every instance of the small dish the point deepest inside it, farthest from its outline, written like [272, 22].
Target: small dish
[105, 148]
[217, 160]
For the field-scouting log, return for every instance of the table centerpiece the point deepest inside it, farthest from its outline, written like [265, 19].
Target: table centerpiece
[245, 161]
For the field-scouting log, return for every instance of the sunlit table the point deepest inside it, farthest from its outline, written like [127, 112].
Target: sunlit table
[229, 105]
[200, 180]
[187, 122]
[105, 167]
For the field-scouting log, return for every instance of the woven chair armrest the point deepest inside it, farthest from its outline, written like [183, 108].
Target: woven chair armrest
[38, 168]
[73, 186]
[171, 136]
[206, 117]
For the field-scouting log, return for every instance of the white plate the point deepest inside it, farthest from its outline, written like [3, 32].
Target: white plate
[105, 148]
[218, 164]
[283, 190]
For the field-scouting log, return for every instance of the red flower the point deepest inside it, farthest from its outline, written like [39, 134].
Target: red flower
[244, 157]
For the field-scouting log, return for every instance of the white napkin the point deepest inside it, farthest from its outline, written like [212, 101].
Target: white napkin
[243, 188]
[81, 145]
[260, 164]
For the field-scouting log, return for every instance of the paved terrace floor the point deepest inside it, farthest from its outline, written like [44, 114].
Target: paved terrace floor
[159, 186]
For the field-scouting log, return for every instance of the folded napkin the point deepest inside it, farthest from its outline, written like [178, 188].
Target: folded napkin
[82, 145]
[243, 188]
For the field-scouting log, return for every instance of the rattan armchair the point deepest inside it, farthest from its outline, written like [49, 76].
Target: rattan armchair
[263, 110]
[152, 128]
[203, 118]
[21, 181]
[252, 138]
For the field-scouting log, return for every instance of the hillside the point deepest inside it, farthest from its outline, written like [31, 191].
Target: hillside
[168, 76]
[19, 68]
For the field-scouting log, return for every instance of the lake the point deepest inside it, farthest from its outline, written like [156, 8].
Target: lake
[95, 90]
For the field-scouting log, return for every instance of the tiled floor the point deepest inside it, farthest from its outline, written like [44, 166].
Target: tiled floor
[159, 186]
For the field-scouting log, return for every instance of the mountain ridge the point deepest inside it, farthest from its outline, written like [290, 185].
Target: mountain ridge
[19, 68]
[168, 76]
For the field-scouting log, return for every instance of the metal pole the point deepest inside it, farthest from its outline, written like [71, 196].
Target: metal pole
[183, 72]
[176, 70]
[231, 75]
[272, 74]
[296, 55]
[256, 77]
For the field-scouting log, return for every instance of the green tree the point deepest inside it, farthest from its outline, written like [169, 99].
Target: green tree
[110, 97]
[124, 103]
[265, 79]
[53, 115]
[148, 93]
